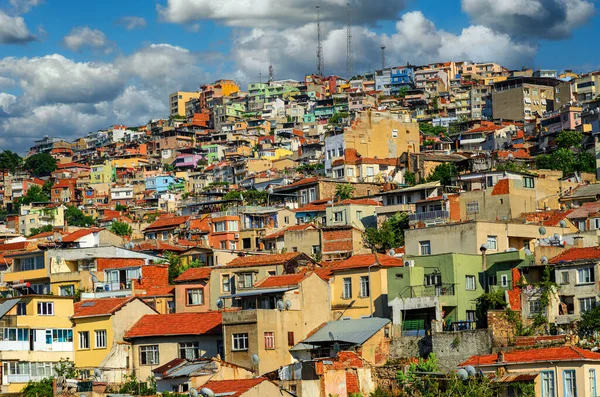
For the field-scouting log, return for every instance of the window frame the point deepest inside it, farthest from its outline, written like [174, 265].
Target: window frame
[84, 336]
[365, 287]
[492, 243]
[269, 338]
[589, 278]
[98, 335]
[347, 288]
[45, 308]
[239, 342]
[185, 347]
[573, 391]
[425, 244]
[468, 279]
[147, 351]
[198, 291]
[551, 392]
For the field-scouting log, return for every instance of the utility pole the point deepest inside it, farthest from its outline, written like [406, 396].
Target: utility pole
[348, 44]
[320, 65]
[382, 57]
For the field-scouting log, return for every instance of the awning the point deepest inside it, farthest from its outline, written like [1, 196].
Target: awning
[254, 292]
[7, 305]
[517, 377]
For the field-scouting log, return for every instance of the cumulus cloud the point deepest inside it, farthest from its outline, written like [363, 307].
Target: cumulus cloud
[545, 19]
[132, 22]
[84, 37]
[278, 13]
[13, 30]
[24, 6]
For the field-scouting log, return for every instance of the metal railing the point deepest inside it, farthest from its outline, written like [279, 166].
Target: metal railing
[422, 216]
[419, 291]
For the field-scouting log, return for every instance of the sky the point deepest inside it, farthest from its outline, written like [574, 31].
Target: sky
[68, 67]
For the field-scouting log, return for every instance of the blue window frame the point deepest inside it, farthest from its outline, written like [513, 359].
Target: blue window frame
[569, 383]
[548, 389]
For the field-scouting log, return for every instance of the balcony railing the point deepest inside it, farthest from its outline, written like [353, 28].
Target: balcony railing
[423, 216]
[421, 291]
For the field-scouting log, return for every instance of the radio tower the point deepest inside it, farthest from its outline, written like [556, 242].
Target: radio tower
[348, 45]
[382, 57]
[320, 67]
[271, 72]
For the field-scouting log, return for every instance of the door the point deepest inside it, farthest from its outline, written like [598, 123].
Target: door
[39, 341]
[112, 278]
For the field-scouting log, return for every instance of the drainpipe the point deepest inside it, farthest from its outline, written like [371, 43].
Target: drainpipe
[483, 250]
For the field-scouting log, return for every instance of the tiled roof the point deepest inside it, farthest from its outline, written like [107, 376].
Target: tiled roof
[366, 260]
[304, 181]
[157, 245]
[193, 274]
[232, 388]
[563, 353]
[294, 228]
[502, 187]
[577, 254]
[20, 246]
[176, 324]
[99, 307]
[547, 218]
[76, 235]
[169, 222]
[355, 201]
[159, 291]
[117, 263]
[155, 275]
[262, 260]
[283, 280]
[584, 210]
[314, 206]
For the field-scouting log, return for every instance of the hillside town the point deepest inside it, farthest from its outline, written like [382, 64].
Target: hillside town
[414, 227]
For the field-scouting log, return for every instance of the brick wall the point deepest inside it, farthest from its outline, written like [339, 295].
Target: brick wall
[503, 331]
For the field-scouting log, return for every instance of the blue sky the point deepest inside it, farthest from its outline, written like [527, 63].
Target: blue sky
[67, 66]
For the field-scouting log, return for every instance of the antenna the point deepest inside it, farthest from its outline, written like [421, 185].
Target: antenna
[271, 72]
[320, 66]
[348, 43]
[382, 57]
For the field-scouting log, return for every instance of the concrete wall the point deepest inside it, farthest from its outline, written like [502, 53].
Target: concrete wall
[303, 240]
[452, 348]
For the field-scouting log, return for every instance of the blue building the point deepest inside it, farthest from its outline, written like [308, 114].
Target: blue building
[160, 183]
[402, 77]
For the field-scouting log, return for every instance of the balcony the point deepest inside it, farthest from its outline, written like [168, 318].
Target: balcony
[428, 215]
[240, 317]
[418, 291]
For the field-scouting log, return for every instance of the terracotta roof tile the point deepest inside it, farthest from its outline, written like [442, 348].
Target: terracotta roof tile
[304, 181]
[577, 254]
[547, 218]
[176, 324]
[99, 307]
[169, 222]
[502, 187]
[366, 260]
[281, 281]
[263, 260]
[193, 274]
[563, 353]
[76, 235]
[233, 388]
[159, 291]
[118, 263]
[356, 201]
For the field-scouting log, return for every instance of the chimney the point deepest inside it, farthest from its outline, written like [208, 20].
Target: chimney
[578, 241]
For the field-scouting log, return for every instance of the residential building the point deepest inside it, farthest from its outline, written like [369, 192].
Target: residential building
[192, 290]
[102, 173]
[165, 228]
[177, 102]
[586, 87]
[257, 387]
[38, 215]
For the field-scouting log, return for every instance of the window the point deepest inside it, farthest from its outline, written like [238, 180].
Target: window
[232, 245]
[492, 242]
[394, 133]
[225, 283]
[232, 226]
[286, 220]
[586, 304]
[100, 339]
[62, 335]
[534, 307]
[21, 309]
[370, 171]
[364, 286]
[244, 280]
[195, 296]
[592, 377]
[548, 384]
[15, 334]
[240, 342]
[585, 275]
[492, 280]
[84, 340]
[338, 216]
[564, 277]
[569, 383]
[189, 350]
[347, 292]
[528, 182]
[425, 247]
[219, 227]
[471, 316]
[433, 279]
[473, 207]
[223, 244]
[67, 290]
[504, 280]
[316, 249]
[45, 308]
[291, 338]
[470, 283]
[149, 355]
[350, 171]
[269, 340]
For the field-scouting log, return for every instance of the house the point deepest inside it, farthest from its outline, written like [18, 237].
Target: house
[304, 238]
[555, 371]
[165, 228]
[404, 199]
[181, 375]
[99, 326]
[65, 191]
[156, 339]
[192, 290]
[359, 213]
[89, 238]
[37, 215]
[272, 316]
[368, 337]
[161, 183]
[341, 242]
[37, 333]
[257, 387]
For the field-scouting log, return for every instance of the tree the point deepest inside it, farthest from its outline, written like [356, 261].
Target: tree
[47, 188]
[10, 161]
[410, 178]
[562, 159]
[121, 228]
[121, 208]
[338, 117]
[41, 164]
[344, 191]
[37, 230]
[444, 173]
[35, 194]
[488, 301]
[430, 129]
[41, 388]
[75, 217]
[389, 235]
[569, 139]
[589, 323]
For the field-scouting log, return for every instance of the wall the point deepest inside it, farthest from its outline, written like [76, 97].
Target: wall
[303, 240]
[453, 348]
[181, 305]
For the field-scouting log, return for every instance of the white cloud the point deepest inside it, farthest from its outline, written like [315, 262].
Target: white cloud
[13, 30]
[132, 22]
[546, 19]
[278, 13]
[6, 101]
[85, 37]
[24, 6]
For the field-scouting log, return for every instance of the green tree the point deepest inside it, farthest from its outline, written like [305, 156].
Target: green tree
[389, 235]
[402, 92]
[430, 129]
[75, 217]
[344, 191]
[37, 230]
[121, 208]
[444, 173]
[569, 157]
[410, 178]
[174, 262]
[569, 139]
[10, 161]
[41, 164]
[47, 188]
[488, 301]
[41, 388]
[65, 368]
[35, 194]
[338, 117]
[121, 228]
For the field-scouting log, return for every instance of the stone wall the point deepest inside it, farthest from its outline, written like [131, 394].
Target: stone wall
[502, 330]
[453, 348]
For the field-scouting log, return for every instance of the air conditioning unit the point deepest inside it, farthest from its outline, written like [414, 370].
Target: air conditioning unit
[236, 236]
[410, 263]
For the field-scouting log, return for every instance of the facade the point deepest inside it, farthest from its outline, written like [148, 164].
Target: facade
[177, 101]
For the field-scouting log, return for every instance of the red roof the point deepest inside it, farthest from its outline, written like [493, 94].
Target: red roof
[21, 245]
[232, 388]
[366, 260]
[284, 280]
[157, 245]
[176, 324]
[71, 165]
[118, 263]
[502, 187]
[99, 307]
[356, 201]
[73, 237]
[563, 353]
[294, 228]
[193, 274]
[313, 206]
[547, 218]
[263, 260]
[304, 181]
[577, 254]
[169, 222]
[159, 291]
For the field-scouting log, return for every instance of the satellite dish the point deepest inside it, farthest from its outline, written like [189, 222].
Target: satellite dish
[97, 373]
[280, 305]
[512, 249]
[45, 291]
[390, 178]
[331, 336]
[562, 223]
[511, 156]
[220, 303]
[268, 173]
[462, 374]
[527, 252]
[542, 230]
[471, 370]
[255, 359]
[483, 248]
[205, 391]
[288, 305]
[270, 190]
[544, 260]
[391, 252]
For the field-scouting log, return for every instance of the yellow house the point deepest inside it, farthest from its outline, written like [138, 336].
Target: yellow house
[275, 154]
[177, 102]
[101, 173]
[99, 326]
[129, 162]
[28, 267]
[36, 334]
[554, 371]
[359, 286]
